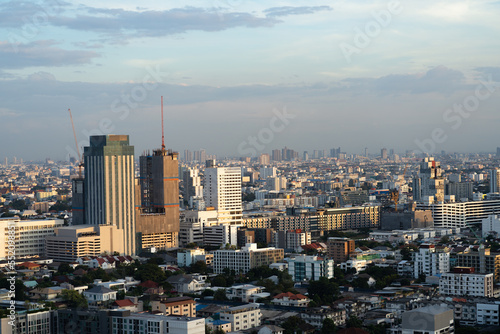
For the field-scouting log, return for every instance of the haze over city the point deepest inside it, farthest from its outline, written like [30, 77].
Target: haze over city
[353, 74]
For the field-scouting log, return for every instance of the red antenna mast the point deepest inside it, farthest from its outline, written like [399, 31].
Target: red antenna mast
[162, 129]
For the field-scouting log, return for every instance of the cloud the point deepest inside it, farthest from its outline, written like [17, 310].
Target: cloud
[41, 53]
[439, 79]
[19, 13]
[487, 71]
[153, 23]
[289, 10]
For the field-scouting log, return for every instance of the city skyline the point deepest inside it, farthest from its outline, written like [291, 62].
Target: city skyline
[387, 73]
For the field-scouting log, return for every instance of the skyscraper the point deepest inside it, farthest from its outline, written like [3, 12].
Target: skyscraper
[158, 192]
[383, 154]
[222, 190]
[430, 181]
[109, 185]
[495, 180]
[192, 184]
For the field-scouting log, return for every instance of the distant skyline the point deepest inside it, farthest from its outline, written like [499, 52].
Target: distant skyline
[353, 74]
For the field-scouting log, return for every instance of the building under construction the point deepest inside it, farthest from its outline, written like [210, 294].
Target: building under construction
[157, 216]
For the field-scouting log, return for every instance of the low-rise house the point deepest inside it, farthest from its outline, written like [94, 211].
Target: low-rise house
[290, 299]
[246, 293]
[187, 283]
[46, 293]
[99, 296]
[316, 316]
[184, 306]
[129, 303]
[152, 288]
[218, 325]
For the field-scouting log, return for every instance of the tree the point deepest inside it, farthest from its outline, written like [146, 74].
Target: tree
[328, 327]
[292, 325]
[74, 299]
[354, 321]
[219, 281]
[207, 292]
[64, 269]
[326, 291]
[220, 294]
[150, 271]
[199, 267]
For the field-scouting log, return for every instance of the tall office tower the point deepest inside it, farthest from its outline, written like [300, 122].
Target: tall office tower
[495, 180]
[6, 162]
[264, 159]
[188, 156]
[109, 185]
[315, 154]
[305, 156]
[209, 163]
[391, 152]
[498, 151]
[78, 200]
[383, 154]
[430, 181]
[276, 155]
[222, 190]
[366, 152]
[323, 153]
[158, 215]
[192, 185]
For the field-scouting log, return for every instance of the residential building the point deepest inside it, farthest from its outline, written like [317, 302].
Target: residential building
[293, 240]
[495, 180]
[191, 227]
[304, 267]
[242, 317]
[125, 322]
[222, 191]
[464, 282]
[188, 283]
[488, 314]
[187, 257]
[339, 249]
[29, 235]
[246, 293]
[435, 319]
[192, 185]
[109, 186]
[481, 259]
[221, 234]
[41, 322]
[291, 299]
[431, 260]
[316, 316]
[179, 306]
[246, 258]
[100, 296]
[72, 242]
[491, 226]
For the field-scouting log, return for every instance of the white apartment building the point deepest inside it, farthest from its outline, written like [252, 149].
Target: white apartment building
[311, 268]
[191, 227]
[461, 214]
[246, 292]
[246, 258]
[133, 323]
[488, 314]
[491, 225]
[265, 172]
[221, 234]
[29, 236]
[187, 257]
[293, 240]
[222, 191]
[242, 317]
[464, 282]
[431, 261]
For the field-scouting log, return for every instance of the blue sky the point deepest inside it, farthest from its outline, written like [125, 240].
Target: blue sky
[225, 67]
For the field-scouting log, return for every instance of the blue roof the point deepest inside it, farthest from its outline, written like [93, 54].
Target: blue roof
[200, 307]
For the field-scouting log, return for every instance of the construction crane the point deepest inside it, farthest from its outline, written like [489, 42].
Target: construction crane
[80, 164]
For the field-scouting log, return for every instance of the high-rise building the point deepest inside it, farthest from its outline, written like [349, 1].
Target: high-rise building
[222, 191]
[109, 185]
[158, 215]
[188, 156]
[276, 155]
[383, 154]
[264, 159]
[431, 261]
[192, 185]
[498, 151]
[463, 281]
[304, 267]
[482, 260]
[430, 181]
[495, 180]
[305, 156]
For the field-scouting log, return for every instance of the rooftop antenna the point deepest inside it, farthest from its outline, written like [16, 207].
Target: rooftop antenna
[162, 128]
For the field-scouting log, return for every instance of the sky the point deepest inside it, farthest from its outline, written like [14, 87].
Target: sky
[240, 78]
